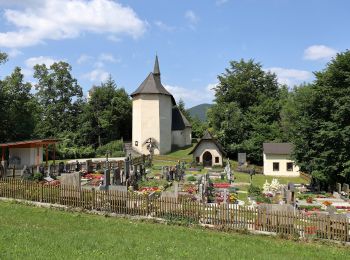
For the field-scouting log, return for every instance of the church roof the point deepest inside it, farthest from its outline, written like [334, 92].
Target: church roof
[152, 84]
[179, 121]
[208, 137]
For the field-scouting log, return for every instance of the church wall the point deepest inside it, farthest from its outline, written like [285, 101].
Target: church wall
[136, 124]
[188, 136]
[165, 116]
[178, 138]
[146, 122]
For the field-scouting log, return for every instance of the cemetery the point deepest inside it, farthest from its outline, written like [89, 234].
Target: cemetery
[165, 186]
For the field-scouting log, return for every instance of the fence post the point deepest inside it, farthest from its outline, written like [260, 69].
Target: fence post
[93, 203]
[41, 192]
[147, 206]
[329, 228]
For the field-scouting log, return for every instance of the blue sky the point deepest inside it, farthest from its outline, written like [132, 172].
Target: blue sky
[195, 40]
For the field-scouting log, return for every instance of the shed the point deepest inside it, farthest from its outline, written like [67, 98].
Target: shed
[26, 153]
[208, 151]
[277, 160]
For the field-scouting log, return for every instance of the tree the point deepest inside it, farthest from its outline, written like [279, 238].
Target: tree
[246, 113]
[182, 108]
[320, 123]
[18, 117]
[60, 99]
[107, 114]
[3, 57]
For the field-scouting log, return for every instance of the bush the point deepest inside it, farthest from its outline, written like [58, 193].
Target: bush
[191, 178]
[115, 148]
[254, 191]
[38, 176]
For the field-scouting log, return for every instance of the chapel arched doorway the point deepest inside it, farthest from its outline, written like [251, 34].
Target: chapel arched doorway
[207, 159]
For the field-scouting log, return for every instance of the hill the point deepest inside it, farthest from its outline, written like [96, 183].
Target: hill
[200, 111]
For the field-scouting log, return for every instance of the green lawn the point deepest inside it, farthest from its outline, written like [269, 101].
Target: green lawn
[27, 232]
[182, 153]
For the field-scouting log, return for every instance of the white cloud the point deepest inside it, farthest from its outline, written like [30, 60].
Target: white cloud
[161, 25]
[63, 19]
[84, 58]
[97, 75]
[108, 58]
[291, 77]
[319, 52]
[192, 18]
[31, 62]
[192, 96]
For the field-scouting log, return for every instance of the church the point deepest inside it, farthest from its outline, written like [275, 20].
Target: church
[155, 115]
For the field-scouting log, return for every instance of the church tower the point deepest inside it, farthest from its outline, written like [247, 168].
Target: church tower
[152, 108]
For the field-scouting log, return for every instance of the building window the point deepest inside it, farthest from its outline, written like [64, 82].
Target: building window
[216, 159]
[197, 159]
[136, 143]
[289, 166]
[276, 166]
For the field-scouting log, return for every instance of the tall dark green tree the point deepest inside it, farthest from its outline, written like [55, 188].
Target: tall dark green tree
[107, 115]
[247, 108]
[18, 119]
[59, 96]
[319, 116]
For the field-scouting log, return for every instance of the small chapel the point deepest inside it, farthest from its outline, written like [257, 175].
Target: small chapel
[156, 117]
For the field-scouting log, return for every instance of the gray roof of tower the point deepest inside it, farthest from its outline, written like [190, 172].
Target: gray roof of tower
[152, 84]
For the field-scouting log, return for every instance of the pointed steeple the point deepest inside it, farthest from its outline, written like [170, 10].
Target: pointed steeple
[156, 71]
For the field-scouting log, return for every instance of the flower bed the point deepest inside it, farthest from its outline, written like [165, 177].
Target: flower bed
[222, 185]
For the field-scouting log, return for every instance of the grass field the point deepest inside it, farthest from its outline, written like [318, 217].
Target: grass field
[27, 232]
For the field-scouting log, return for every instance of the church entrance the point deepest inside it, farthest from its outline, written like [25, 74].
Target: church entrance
[207, 159]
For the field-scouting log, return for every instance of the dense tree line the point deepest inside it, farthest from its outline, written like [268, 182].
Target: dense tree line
[58, 109]
[252, 108]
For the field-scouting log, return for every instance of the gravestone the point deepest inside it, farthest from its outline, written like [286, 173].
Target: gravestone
[116, 176]
[338, 187]
[242, 158]
[290, 197]
[89, 166]
[119, 188]
[176, 189]
[42, 170]
[61, 168]
[26, 173]
[331, 210]
[71, 179]
[346, 188]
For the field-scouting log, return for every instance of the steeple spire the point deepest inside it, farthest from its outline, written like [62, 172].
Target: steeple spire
[156, 71]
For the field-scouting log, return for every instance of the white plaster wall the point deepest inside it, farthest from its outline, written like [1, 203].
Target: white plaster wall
[28, 156]
[152, 119]
[188, 136]
[208, 146]
[269, 159]
[136, 123]
[165, 118]
[178, 138]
